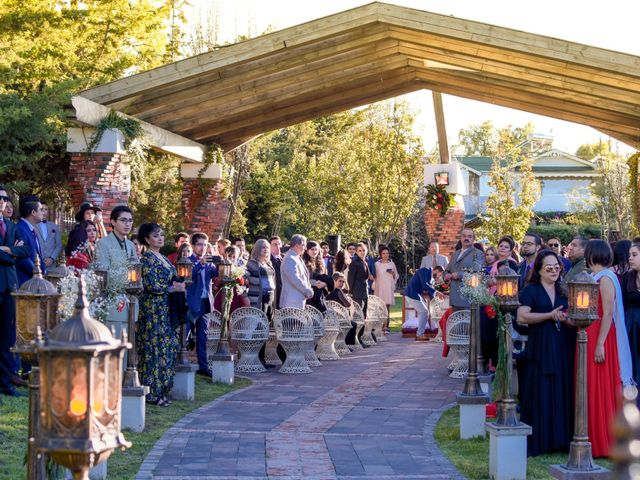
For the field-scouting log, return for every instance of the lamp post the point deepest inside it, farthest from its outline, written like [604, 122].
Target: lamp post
[36, 311]
[103, 275]
[507, 294]
[583, 311]
[472, 384]
[222, 361]
[626, 452]
[57, 273]
[133, 289]
[184, 269]
[81, 391]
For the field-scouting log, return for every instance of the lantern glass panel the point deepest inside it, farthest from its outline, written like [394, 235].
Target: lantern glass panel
[27, 314]
[113, 366]
[79, 397]
[99, 383]
[59, 385]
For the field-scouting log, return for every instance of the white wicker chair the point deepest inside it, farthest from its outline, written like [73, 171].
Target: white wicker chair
[377, 310]
[326, 346]
[250, 330]
[458, 341]
[345, 325]
[294, 331]
[318, 332]
[437, 308]
[213, 335]
[271, 348]
[357, 316]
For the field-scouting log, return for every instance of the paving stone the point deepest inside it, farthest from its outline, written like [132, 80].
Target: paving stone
[368, 415]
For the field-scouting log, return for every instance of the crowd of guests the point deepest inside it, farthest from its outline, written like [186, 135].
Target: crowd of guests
[546, 367]
[277, 276]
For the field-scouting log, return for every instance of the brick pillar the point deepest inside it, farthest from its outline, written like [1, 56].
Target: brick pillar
[445, 229]
[104, 176]
[204, 211]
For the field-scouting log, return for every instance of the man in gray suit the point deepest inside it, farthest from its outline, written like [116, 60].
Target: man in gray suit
[468, 258]
[114, 252]
[51, 237]
[433, 258]
[296, 287]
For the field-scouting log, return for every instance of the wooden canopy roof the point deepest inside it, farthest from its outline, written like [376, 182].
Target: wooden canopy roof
[370, 53]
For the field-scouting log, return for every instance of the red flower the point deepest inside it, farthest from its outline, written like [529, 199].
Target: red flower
[241, 281]
[120, 306]
[490, 311]
[438, 206]
[440, 195]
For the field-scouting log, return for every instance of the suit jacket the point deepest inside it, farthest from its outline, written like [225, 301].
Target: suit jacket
[472, 259]
[25, 265]
[110, 255]
[277, 262]
[427, 261]
[330, 260]
[53, 242]
[8, 274]
[357, 279]
[296, 287]
[198, 286]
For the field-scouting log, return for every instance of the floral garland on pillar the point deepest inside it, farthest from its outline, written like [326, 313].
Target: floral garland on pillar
[439, 199]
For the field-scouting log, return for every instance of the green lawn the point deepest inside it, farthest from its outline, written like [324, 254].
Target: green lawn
[395, 322]
[122, 465]
[471, 457]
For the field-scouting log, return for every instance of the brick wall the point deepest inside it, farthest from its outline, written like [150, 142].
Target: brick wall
[103, 179]
[445, 229]
[204, 211]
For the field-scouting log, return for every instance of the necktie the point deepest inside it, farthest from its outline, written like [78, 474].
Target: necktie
[2, 228]
[435, 264]
[35, 237]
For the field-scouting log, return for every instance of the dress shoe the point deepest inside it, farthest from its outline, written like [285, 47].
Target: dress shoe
[422, 338]
[12, 392]
[18, 381]
[205, 373]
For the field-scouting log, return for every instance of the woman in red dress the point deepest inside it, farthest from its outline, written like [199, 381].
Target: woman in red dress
[81, 245]
[608, 356]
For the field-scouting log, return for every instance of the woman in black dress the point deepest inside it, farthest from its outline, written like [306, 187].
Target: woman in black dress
[546, 398]
[631, 297]
[321, 283]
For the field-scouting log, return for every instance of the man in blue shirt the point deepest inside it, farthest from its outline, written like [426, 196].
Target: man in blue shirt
[418, 288]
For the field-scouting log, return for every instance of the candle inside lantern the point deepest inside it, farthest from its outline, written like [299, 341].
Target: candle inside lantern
[474, 281]
[582, 300]
[510, 288]
[133, 275]
[77, 406]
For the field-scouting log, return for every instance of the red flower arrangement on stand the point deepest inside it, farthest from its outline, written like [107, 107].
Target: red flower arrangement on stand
[439, 199]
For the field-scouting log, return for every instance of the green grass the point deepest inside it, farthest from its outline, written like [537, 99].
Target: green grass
[122, 465]
[471, 457]
[395, 322]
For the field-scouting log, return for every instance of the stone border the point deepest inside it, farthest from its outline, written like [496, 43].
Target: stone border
[428, 434]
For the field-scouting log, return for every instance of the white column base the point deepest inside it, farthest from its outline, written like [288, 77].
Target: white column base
[133, 412]
[486, 384]
[508, 451]
[184, 383]
[472, 419]
[223, 371]
[99, 472]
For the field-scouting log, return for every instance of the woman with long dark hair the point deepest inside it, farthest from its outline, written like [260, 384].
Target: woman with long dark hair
[620, 264]
[546, 398]
[631, 297]
[80, 248]
[321, 283]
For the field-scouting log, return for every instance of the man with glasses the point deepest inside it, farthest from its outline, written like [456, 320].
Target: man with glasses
[555, 245]
[11, 249]
[531, 245]
[113, 253]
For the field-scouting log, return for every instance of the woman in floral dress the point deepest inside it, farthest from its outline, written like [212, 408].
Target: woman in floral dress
[157, 342]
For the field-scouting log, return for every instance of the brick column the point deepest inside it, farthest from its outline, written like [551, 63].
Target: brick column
[102, 177]
[444, 229]
[204, 211]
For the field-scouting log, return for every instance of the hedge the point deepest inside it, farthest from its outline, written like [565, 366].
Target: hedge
[566, 232]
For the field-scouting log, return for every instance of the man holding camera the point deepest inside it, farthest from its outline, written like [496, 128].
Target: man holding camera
[198, 296]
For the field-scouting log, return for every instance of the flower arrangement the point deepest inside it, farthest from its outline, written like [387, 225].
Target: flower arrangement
[479, 294]
[99, 306]
[439, 199]
[442, 286]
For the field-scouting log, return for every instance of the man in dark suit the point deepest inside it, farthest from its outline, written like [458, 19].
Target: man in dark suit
[198, 297]
[11, 249]
[531, 245]
[31, 216]
[276, 260]
[359, 276]
[327, 258]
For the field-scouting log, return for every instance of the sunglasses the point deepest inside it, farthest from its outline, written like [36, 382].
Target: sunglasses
[553, 245]
[5, 198]
[551, 268]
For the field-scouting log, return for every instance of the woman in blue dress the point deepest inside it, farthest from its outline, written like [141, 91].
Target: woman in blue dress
[546, 399]
[157, 341]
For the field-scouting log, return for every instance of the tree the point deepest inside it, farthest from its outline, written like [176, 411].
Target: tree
[515, 190]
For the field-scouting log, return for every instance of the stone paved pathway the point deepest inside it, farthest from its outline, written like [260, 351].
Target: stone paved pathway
[369, 415]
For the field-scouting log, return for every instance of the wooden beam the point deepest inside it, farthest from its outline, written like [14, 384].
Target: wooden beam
[443, 144]
[90, 113]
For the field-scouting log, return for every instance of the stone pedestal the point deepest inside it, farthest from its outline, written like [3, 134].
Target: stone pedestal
[184, 382]
[222, 368]
[473, 411]
[99, 472]
[508, 451]
[486, 384]
[134, 408]
[561, 472]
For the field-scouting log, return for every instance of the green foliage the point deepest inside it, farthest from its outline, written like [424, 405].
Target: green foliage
[567, 232]
[355, 173]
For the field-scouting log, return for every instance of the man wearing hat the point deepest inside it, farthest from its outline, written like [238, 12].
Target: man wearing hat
[89, 211]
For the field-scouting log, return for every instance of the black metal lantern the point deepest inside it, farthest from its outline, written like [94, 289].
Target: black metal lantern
[36, 307]
[224, 270]
[583, 300]
[184, 268]
[103, 276]
[473, 280]
[507, 288]
[134, 276]
[57, 273]
[81, 370]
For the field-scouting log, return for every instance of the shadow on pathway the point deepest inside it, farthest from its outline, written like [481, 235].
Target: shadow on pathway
[369, 415]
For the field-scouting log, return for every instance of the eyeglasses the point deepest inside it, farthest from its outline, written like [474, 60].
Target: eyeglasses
[551, 268]
[528, 243]
[5, 198]
[125, 220]
[553, 245]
